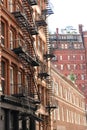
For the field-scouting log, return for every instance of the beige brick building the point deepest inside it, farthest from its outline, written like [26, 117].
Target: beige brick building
[70, 114]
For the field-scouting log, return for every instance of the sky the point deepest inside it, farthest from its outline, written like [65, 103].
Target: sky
[68, 13]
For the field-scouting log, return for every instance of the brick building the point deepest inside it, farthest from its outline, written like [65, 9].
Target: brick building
[24, 68]
[70, 50]
[70, 114]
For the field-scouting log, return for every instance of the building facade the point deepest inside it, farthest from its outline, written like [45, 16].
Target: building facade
[24, 65]
[69, 48]
[70, 113]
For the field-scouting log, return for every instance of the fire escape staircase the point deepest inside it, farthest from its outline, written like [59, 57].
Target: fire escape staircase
[24, 18]
[27, 57]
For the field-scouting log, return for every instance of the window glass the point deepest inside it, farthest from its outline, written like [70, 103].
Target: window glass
[2, 33]
[2, 76]
[11, 81]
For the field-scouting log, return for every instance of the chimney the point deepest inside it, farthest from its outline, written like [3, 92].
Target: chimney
[80, 28]
[57, 31]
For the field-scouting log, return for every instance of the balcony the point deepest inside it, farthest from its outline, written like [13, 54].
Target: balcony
[43, 71]
[25, 56]
[32, 2]
[49, 56]
[24, 23]
[41, 21]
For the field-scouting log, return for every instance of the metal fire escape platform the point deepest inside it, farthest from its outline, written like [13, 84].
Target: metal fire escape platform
[24, 23]
[41, 21]
[32, 2]
[49, 55]
[20, 52]
[43, 71]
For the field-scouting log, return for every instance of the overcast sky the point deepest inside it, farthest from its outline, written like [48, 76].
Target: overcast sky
[68, 13]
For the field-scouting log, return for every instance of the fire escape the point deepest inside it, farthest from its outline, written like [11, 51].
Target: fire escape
[27, 57]
[44, 71]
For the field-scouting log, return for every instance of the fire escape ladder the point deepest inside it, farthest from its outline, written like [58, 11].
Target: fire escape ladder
[28, 66]
[29, 13]
[24, 18]
[29, 71]
[33, 89]
[51, 105]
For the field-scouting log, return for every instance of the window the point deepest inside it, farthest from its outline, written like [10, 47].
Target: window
[67, 115]
[10, 4]
[61, 58]
[61, 90]
[82, 66]
[56, 91]
[74, 66]
[26, 82]
[62, 114]
[68, 57]
[62, 46]
[54, 58]
[66, 46]
[2, 76]
[11, 80]
[54, 114]
[68, 66]
[74, 57]
[19, 81]
[82, 77]
[12, 39]
[2, 33]
[58, 113]
[61, 67]
[81, 57]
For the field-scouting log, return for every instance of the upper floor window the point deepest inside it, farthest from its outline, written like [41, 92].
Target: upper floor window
[82, 77]
[74, 66]
[19, 81]
[3, 72]
[66, 46]
[74, 57]
[68, 66]
[10, 5]
[68, 57]
[61, 58]
[62, 46]
[82, 57]
[12, 79]
[56, 91]
[2, 33]
[62, 67]
[11, 39]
